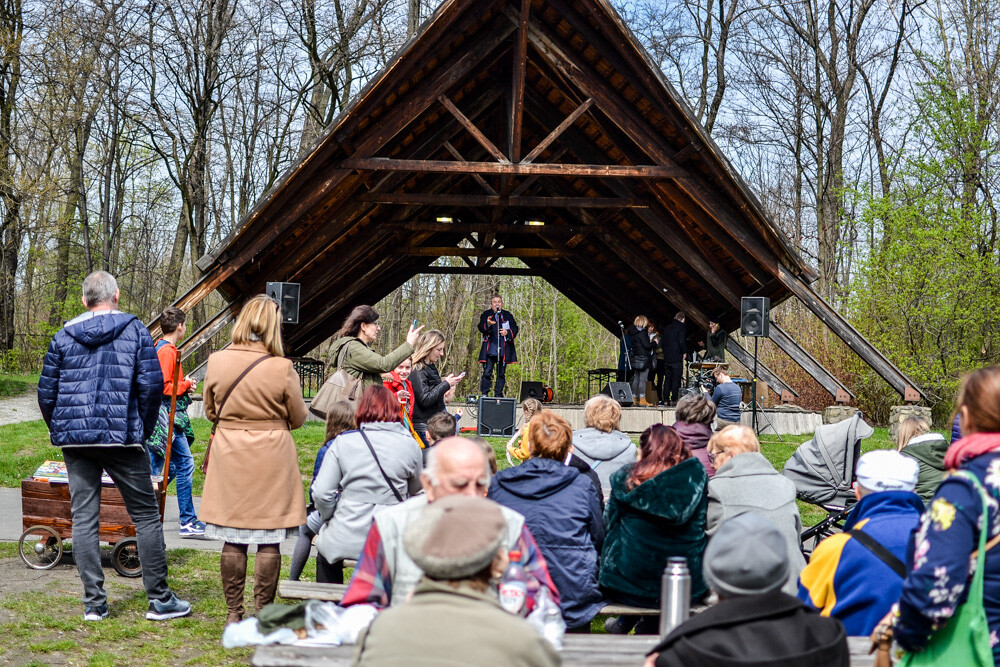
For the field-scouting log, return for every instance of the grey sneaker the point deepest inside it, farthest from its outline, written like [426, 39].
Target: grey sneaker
[98, 613]
[172, 607]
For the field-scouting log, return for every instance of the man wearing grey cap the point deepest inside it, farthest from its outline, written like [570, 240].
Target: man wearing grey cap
[746, 563]
[856, 575]
[454, 616]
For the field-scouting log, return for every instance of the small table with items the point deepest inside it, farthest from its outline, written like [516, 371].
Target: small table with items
[602, 376]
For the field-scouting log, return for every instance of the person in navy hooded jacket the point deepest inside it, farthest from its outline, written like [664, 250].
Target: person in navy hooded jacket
[562, 511]
[100, 393]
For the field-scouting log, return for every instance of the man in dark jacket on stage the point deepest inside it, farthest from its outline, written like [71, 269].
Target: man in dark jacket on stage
[499, 329]
[673, 340]
[746, 563]
[100, 393]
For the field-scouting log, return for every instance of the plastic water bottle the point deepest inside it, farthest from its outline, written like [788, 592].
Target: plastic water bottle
[675, 595]
[514, 586]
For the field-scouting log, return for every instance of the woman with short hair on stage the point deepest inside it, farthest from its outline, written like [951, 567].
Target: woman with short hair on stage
[641, 358]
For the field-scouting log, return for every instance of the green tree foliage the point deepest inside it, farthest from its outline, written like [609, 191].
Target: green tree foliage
[929, 290]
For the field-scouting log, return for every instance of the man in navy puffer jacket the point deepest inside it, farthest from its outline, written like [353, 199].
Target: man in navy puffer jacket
[100, 394]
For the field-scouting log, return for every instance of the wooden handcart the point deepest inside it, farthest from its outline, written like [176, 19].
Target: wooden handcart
[48, 520]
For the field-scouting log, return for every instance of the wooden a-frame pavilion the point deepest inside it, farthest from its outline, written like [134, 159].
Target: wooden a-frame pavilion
[497, 116]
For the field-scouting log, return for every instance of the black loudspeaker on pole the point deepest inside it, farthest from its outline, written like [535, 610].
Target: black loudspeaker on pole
[755, 321]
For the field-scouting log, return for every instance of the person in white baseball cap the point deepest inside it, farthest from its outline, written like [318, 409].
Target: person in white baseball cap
[856, 575]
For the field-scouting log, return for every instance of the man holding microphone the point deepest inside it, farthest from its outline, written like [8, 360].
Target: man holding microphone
[499, 330]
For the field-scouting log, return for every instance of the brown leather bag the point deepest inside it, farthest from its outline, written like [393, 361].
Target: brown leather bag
[341, 386]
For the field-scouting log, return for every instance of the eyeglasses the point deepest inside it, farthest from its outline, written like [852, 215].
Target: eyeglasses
[712, 455]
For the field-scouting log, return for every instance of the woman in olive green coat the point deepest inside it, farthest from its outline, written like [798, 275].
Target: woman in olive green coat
[353, 349]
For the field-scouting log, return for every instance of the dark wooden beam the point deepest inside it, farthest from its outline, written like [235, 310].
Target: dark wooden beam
[208, 330]
[473, 130]
[847, 333]
[519, 169]
[482, 252]
[516, 112]
[427, 199]
[479, 179]
[480, 270]
[489, 227]
[554, 134]
[745, 358]
[808, 363]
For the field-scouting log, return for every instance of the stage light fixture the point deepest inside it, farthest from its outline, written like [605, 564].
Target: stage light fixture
[444, 220]
[535, 223]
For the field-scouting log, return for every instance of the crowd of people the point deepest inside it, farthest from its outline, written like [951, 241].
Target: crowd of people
[593, 517]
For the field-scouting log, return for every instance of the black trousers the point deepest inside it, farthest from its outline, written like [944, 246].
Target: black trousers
[484, 384]
[672, 381]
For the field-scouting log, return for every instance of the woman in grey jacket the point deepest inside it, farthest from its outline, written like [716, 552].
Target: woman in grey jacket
[358, 478]
[601, 444]
[745, 481]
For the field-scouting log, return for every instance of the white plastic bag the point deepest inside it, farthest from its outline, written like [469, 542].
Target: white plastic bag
[547, 619]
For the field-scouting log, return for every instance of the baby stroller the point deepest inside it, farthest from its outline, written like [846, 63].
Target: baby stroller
[823, 472]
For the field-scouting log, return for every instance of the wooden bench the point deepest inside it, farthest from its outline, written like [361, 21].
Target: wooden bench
[578, 650]
[310, 590]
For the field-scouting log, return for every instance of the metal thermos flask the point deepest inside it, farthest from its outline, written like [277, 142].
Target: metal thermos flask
[675, 595]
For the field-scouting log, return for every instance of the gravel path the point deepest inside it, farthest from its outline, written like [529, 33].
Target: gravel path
[21, 408]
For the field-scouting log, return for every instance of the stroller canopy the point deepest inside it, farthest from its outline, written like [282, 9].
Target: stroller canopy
[823, 468]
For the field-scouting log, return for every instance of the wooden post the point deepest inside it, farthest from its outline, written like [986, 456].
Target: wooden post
[170, 438]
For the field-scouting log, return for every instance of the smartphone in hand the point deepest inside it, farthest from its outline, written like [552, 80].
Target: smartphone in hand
[414, 325]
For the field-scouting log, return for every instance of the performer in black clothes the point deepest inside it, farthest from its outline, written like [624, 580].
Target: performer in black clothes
[499, 329]
[674, 343]
[642, 358]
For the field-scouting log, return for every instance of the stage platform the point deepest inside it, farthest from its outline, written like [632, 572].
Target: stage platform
[787, 420]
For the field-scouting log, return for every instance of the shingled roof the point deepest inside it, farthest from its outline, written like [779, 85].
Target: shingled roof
[534, 129]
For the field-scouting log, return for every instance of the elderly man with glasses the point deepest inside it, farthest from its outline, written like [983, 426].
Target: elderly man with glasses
[386, 574]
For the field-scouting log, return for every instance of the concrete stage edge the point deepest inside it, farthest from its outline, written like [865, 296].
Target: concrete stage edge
[786, 420]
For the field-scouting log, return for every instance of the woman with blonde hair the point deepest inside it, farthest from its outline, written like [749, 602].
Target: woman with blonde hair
[916, 440]
[641, 358]
[428, 386]
[600, 444]
[563, 513]
[745, 481]
[253, 487]
[519, 445]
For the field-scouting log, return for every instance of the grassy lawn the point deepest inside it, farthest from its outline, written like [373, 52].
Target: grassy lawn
[15, 385]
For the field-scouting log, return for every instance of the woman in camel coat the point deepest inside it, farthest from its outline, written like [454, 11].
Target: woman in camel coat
[253, 487]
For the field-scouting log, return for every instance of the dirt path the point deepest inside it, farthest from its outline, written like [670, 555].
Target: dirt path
[21, 408]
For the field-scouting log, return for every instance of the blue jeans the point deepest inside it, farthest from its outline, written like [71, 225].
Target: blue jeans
[181, 469]
[128, 467]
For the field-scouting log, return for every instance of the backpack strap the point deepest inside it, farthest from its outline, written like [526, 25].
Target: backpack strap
[883, 554]
[392, 488]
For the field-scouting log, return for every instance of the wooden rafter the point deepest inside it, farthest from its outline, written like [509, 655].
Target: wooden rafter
[519, 169]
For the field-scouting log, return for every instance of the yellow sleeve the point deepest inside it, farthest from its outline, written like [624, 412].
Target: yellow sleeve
[816, 579]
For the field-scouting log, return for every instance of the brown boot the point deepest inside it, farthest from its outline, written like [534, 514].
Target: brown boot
[267, 569]
[233, 565]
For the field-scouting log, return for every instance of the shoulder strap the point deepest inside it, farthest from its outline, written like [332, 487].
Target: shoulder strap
[343, 354]
[884, 555]
[222, 403]
[379, 464]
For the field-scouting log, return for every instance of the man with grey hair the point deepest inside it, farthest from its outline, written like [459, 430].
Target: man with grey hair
[99, 394]
[386, 574]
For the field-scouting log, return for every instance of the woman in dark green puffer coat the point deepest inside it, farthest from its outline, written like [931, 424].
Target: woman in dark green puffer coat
[916, 440]
[657, 510]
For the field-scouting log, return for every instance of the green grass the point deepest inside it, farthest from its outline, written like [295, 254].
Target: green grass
[47, 626]
[15, 385]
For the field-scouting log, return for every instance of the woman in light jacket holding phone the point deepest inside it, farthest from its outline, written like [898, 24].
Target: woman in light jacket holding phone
[428, 386]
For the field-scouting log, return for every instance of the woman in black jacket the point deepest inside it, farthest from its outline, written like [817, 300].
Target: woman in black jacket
[642, 358]
[428, 386]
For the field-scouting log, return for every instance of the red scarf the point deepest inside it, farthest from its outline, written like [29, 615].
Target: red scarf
[970, 447]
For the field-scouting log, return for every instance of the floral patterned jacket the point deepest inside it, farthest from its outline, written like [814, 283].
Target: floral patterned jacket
[940, 559]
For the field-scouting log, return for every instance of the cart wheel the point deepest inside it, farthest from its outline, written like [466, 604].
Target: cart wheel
[125, 558]
[40, 547]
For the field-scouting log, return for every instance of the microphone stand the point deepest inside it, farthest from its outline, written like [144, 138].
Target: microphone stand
[628, 356]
